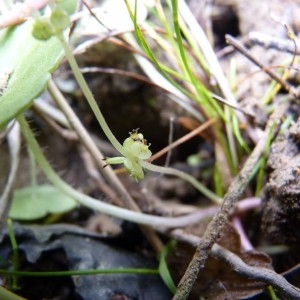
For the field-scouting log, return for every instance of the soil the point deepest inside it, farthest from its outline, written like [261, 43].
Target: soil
[83, 239]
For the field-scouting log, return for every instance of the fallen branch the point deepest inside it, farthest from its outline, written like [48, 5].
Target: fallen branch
[240, 47]
[233, 194]
[285, 289]
[14, 143]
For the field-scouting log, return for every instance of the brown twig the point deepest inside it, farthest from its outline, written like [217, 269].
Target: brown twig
[124, 73]
[240, 47]
[183, 139]
[233, 194]
[271, 42]
[285, 289]
[67, 134]
[14, 143]
[94, 15]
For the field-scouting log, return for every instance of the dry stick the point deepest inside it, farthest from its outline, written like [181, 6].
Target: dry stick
[65, 133]
[183, 139]
[98, 157]
[14, 143]
[285, 289]
[233, 194]
[271, 42]
[240, 47]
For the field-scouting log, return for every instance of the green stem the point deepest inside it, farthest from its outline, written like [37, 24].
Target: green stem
[81, 272]
[163, 266]
[89, 97]
[199, 186]
[33, 173]
[15, 258]
[183, 57]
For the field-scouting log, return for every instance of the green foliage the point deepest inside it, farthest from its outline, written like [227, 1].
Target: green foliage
[28, 63]
[15, 256]
[163, 267]
[36, 202]
[192, 69]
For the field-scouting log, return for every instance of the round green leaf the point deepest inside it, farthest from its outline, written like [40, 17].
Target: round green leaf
[36, 202]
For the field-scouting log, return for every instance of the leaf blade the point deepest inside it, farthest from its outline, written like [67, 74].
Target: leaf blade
[36, 202]
[29, 63]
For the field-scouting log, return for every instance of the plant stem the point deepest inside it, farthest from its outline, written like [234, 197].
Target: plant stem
[15, 258]
[81, 272]
[194, 182]
[158, 223]
[33, 174]
[90, 145]
[89, 97]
